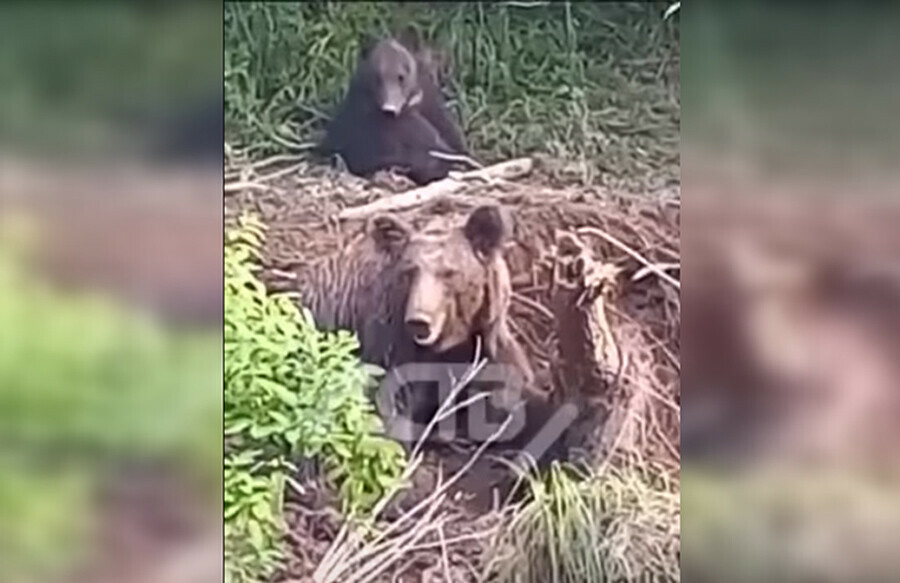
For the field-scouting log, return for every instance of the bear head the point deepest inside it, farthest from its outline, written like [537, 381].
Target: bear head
[458, 281]
[393, 70]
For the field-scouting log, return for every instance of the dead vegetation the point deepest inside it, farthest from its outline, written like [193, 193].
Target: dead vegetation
[596, 280]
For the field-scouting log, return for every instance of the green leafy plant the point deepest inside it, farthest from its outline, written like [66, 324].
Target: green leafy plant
[292, 392]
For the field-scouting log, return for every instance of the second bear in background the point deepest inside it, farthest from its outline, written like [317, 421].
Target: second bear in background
[394, 115]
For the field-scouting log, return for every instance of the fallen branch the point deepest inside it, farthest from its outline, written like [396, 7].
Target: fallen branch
[239, 186]
[457, 158]
[505, 171]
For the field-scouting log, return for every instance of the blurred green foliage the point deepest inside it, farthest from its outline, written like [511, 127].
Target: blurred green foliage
[86, 385]
[593, 83]
[292, 394]
[71, 73]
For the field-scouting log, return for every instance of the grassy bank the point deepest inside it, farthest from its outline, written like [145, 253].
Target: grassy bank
[595, 84]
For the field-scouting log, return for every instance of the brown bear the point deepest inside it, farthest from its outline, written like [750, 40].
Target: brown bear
[427, 297]
[410, 295]
[394, 114]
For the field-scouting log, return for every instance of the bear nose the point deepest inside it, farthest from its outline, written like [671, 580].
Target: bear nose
[391, 109]
[420, 328]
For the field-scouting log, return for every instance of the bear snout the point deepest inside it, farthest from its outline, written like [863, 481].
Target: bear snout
[391, 108]
[422, 329]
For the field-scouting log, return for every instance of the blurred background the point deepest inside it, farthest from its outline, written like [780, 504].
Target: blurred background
[110, 292]
[791, 408]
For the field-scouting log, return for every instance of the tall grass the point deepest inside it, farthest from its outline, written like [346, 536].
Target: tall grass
[69, 73]
[603, 526]
[592, 83]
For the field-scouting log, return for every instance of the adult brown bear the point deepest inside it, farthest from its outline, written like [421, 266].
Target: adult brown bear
[394, 114]
[431, 297]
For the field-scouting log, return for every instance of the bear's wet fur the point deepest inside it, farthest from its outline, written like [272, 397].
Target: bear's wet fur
[394, 114]
[438, 296]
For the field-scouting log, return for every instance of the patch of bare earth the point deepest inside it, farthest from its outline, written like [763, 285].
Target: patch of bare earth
[596, 306]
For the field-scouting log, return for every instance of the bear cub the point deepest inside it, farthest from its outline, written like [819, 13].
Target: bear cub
[393, 114]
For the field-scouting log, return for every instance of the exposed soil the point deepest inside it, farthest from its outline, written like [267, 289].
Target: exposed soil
[299, 206]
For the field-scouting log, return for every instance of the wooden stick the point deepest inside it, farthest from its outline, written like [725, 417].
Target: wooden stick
[634, 254]
[504, 171]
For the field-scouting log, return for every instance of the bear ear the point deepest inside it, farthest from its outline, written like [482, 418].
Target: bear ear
[389, 232]
[366, 44]
[486, 229]
[410, 38]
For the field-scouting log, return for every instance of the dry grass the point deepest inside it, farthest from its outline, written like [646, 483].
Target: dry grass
[630, 497]
[591, 91]
[612, 526]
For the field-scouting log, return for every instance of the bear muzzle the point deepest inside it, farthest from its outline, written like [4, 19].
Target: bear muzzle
[391, 108]
[424, 329]
[392, 101]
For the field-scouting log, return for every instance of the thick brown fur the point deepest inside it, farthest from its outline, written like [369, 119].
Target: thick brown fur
[454, 276]
[394, 114]
[392, 282]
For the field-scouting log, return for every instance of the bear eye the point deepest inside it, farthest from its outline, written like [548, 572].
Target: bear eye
[401, 77]
[447, 273]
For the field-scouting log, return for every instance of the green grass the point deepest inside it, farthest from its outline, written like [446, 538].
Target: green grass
[595, 84]
[68, 72]
[604, 526]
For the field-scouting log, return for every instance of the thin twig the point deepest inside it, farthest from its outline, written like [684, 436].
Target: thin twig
[645, 271]
[274, 159]
[634, 254]
[540, 308]
[430, 504]
[444, 559]
[281, 172]
[239, 186]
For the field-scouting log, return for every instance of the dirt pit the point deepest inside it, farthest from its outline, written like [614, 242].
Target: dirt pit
[596, 306]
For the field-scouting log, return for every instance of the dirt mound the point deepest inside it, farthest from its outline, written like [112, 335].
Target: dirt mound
[635, 240]
[624, 234]
[596, 306]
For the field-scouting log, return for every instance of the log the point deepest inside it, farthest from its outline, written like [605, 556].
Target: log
[590, 365]
[580, 288]
[503, 171]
